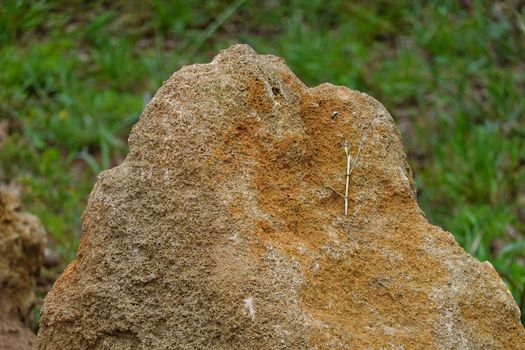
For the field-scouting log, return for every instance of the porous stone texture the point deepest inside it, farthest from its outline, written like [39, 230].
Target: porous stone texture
[22, 240]
[224, 229]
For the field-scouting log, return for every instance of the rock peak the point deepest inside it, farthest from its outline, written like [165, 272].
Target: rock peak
[236, 51]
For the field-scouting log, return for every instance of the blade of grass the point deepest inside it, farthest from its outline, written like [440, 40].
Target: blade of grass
[219, 22]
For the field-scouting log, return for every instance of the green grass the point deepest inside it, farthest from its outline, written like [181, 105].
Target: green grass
[75, 77]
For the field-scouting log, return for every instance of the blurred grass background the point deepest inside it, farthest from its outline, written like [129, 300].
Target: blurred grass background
[75, 75]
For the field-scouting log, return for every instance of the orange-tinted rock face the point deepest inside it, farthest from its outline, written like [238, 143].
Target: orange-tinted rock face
[224, 229]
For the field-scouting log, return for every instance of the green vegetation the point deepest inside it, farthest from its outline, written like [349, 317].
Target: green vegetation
[75, 76]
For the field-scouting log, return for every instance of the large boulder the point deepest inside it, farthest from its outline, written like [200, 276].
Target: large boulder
[225, 228]
[22, 241]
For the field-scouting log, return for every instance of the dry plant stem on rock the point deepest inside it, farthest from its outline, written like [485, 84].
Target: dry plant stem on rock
[350, 168]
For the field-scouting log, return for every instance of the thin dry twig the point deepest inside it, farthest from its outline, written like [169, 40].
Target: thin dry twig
[350, 167]
[348, 171]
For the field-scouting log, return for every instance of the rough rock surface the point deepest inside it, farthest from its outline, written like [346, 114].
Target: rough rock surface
[22, 240]
[224, 229]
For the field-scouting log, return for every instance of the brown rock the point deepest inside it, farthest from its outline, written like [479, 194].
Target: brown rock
[22, 240]
[224, 229]
[14, 335]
